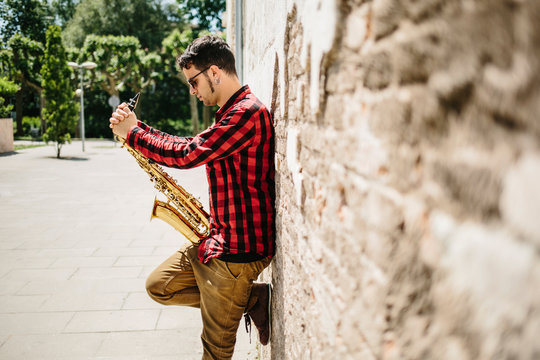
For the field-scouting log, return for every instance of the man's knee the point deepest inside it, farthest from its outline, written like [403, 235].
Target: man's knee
[155, 286]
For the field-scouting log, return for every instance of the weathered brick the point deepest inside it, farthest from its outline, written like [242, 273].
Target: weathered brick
[475, 187]
[520, 200]
[377, 70]
[386, 16]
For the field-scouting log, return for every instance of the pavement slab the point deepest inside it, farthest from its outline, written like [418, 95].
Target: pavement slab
[76, 245]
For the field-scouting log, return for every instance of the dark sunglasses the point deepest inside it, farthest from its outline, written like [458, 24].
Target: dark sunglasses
[192, 83]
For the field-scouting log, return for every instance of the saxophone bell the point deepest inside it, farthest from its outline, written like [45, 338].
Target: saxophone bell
[166, 212]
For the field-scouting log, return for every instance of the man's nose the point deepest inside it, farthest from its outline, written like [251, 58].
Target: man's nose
[191, 90]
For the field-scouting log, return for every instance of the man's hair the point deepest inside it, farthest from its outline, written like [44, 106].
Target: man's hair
[206, 51]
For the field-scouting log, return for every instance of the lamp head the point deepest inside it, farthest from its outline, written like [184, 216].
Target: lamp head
[88, 65]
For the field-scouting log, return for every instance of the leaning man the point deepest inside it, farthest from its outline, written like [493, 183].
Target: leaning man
[217, 275]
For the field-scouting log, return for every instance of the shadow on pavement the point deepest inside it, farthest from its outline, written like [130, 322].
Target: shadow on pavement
[8, 153]
[69, 158]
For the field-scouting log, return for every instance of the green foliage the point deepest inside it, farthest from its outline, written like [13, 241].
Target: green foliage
[171, 126]
[134, 42]
[97, 112]
[7, 90]
[28, 18]
[205, 14]
[116, 56]
[31, 125]
[144, 19]
[146, 70]
[25, 60]
[173, 45]
[167, 99]
[30, 146]
[60, 111]
[22, 61]
[63, 10]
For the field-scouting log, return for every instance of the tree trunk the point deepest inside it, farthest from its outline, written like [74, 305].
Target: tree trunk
[18, 110]
[41, 107]
[194, 114]
[206, 115]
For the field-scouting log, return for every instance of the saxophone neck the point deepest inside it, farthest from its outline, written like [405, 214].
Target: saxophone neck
[120, 139]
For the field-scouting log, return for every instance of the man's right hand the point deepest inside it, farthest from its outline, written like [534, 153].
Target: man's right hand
[122, 120]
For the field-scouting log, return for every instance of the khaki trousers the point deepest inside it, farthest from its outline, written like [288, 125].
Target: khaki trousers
[222, 290]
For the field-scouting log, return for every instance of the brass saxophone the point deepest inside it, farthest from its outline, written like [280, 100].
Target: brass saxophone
[182, 211]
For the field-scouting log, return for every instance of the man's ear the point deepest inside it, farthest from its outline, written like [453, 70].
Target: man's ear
[215, 71]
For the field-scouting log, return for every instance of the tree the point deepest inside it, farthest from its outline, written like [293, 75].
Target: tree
[7, 89]
[23, 31]
[24, 62]
[144, 19]
[28, 18]
[63, 10]
[146, 72]
[117, 57]
[205, 14]
[60, 110]
[174, 45]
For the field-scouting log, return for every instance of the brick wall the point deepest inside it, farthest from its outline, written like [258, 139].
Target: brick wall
[408, 176]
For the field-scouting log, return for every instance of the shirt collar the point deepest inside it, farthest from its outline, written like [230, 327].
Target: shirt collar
[237, 96]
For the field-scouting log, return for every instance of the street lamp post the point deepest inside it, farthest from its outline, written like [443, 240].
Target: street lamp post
[85, 65]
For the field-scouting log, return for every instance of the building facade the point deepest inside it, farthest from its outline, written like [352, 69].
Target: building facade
[407, 174]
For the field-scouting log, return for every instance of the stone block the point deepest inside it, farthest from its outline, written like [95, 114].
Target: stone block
[377, 69]
[83, 301]
[108, 321]
[51, 346]
[484, 286]
[421, 10]
[390, 119]
[357, 27]
[386, 15]
[520, 198]
[146, 344]
[474, 187]
[34, 323]
[6, 135]
[418, 55]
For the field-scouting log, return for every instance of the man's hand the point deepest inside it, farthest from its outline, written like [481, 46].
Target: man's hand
[122, 120]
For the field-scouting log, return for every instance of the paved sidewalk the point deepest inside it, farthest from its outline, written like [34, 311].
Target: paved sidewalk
[76, 246]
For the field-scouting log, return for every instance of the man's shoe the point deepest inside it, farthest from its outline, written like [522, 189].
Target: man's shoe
[261, 312]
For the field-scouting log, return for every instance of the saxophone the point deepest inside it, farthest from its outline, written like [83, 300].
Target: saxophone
[182, 211]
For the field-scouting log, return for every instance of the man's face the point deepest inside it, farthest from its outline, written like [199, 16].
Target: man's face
[201, 85]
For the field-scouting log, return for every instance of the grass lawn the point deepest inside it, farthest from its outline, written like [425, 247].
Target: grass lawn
[29, 146]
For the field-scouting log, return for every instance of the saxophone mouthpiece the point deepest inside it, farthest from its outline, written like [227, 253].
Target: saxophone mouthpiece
[132, 104]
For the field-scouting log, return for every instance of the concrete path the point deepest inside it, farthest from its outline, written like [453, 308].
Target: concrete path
[76, 246]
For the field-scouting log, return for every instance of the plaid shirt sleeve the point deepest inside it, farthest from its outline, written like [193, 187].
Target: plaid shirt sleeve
[161, 134]
[231, 134]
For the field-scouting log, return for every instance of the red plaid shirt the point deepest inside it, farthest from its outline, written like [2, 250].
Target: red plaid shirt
[238, 151]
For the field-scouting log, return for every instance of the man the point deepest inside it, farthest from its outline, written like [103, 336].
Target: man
[238, 150]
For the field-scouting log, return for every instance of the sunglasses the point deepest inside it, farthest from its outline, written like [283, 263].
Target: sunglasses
[191, 81]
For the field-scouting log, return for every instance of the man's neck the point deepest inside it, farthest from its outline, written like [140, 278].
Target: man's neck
[229, 87]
